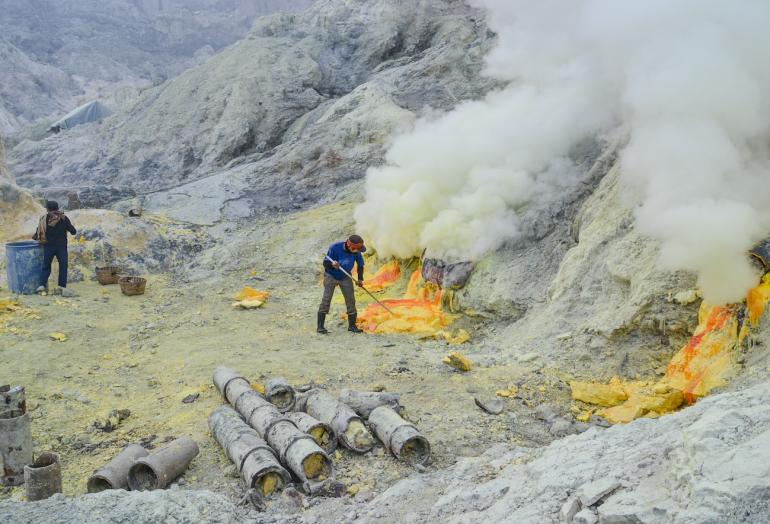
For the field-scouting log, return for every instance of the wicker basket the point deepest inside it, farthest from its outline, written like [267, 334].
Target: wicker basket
[132, 285]
[107, 275]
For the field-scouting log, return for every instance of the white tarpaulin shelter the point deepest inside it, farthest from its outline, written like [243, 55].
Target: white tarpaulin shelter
[90, 112]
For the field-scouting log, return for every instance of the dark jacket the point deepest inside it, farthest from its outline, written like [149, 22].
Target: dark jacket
[56, 235]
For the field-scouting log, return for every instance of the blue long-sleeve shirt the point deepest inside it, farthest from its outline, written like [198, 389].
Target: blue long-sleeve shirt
[346, 259]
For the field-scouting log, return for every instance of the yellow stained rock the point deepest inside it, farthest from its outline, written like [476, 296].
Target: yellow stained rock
[606, 395]
[510, 392]
[259, 388]
[457, 361]
[621, 414]
[57, 336]
[461, 337]
[250, 298]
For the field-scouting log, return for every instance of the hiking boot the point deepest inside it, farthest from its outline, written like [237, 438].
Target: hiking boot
[57, 291]
[66, 292]
[352, 324]
[321, 319]
[41, 289]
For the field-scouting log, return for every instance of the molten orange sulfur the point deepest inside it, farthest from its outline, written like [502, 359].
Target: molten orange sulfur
[419, 312]
[385, 277]
[705, 362]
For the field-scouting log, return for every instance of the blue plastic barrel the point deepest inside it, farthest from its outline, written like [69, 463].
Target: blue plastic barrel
[23, 264]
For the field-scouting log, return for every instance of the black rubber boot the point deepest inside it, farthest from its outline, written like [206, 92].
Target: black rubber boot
[321, 319]
[352, 324]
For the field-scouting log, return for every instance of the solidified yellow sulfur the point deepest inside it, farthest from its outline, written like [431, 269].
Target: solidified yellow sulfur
[320, 435]
[259, 388]
[269, 482]
[705, 362]
[314, 465]
[457, 361]
[607, 395]
[358, 434]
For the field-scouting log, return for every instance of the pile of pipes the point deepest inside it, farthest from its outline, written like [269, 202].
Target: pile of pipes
[282, 436]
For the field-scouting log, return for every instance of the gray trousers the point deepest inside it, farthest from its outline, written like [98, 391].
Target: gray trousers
[347, 291]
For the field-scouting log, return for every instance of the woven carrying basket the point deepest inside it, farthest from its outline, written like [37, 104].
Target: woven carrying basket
[132, 285]
[107, 275]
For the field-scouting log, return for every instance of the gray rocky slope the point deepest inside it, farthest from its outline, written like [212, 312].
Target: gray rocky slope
[56, 54]
[282, 118]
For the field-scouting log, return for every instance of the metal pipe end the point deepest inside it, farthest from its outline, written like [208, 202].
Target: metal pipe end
[142, 477]
[98, 483]
[415, 450]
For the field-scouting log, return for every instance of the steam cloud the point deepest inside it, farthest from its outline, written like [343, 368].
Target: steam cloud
[687, 82]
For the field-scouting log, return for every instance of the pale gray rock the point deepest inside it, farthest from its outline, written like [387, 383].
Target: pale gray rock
[589, 494]
[569, 509]
[585, 516]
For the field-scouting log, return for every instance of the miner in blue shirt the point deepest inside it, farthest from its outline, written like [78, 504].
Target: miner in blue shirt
[343, 255]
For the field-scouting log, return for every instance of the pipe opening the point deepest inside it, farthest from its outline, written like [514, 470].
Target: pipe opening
[316, 466]
[282, 398]
[416, 450]
[142, 477]
[97, 484]
[268, 483]
[45, 460]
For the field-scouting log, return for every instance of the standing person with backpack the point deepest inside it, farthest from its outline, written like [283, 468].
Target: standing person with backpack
[52, 233]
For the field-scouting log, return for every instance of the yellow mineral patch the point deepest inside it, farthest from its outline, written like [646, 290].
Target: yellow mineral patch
[59, 337]
[386, 276]
[506, 393]
[358, 435]
[250, 298]
[314, 466]
[461, 337]
[259, 388]
[608, 395]
[320, 435]
[704, 363]
[269, 482]
[457, 361]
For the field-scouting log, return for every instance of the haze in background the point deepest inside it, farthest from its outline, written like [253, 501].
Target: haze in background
[58, 54]
[686, 82]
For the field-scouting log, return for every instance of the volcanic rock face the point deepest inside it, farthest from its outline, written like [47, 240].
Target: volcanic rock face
[83, 49]
[284, 118]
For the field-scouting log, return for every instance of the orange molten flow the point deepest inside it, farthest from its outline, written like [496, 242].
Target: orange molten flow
[418, 312]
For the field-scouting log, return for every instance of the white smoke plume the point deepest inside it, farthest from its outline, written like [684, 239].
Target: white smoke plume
[687, 81]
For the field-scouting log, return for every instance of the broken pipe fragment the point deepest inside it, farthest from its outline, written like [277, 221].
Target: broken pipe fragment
[15, 436]
[399, 436]
[157, 470]
[280, 393]
[363, 402]
[114, 474]
[43, 477]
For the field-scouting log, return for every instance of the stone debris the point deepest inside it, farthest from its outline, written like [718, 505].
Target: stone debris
[590, 494]
[569, 509]
[585, 516]
[492, 406]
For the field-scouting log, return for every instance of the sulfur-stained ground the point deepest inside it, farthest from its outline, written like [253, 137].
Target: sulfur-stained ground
[147, 353]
